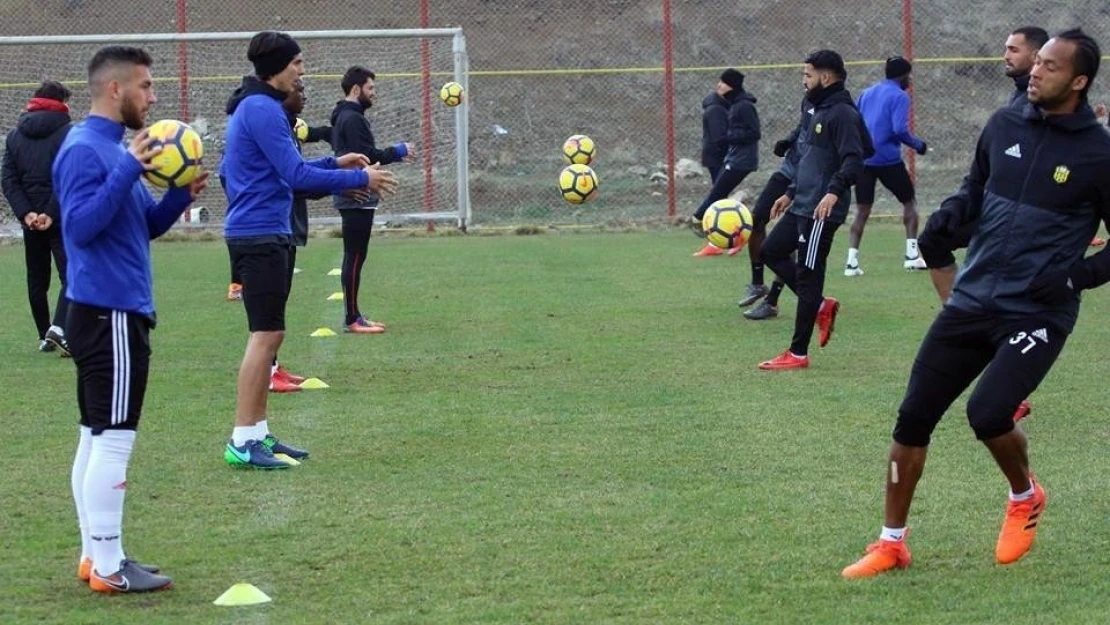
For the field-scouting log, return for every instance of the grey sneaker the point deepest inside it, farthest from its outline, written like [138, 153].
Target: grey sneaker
[130, 578]
[763, 311]
[56, 338]
[754, 293]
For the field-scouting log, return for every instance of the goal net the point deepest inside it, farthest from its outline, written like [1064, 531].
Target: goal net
[195, 74]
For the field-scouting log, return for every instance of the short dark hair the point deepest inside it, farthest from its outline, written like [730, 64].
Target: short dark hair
[1035, 35]
[354, 76]
[828, 60]
[53, 90]
[1085, 61]
[119, 55]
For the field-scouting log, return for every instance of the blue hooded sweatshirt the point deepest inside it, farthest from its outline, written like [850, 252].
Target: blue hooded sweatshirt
[885, 107]
[109, 218]
[262, 166]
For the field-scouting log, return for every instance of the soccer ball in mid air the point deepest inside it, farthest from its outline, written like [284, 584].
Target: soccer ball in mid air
[451, 94]
[578, 184]
[727, 224]
[179, 161]
[579, 150]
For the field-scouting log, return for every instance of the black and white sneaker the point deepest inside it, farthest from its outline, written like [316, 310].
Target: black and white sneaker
[46, 346]
[754, 293]
[56, 337]
[130, 578]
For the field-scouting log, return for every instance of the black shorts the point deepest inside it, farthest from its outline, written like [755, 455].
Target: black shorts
[1013, 354]
[112, 352]
[262, 263]
[894, 177]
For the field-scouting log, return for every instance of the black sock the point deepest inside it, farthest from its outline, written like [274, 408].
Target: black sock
[757, 273]
[776, 290]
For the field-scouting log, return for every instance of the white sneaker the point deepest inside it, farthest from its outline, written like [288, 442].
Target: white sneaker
[852, 271]
[915, 263]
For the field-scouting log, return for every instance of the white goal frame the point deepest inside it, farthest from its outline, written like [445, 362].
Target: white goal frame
[461, 213]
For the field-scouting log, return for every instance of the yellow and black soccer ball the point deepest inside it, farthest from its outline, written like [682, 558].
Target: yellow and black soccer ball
[180, 159]
[579, 150]
[578, 184]
[727, 224]
[451, 94]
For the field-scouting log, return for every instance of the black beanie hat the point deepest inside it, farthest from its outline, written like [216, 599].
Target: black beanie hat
[896, 67]
[733, 78]
[271, 52]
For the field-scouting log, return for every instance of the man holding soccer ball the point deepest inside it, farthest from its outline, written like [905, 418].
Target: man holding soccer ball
[108, 220]
[262, 168]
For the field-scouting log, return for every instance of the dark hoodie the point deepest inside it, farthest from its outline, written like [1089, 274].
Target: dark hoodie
[833, 158]
[1038, 187]
[28, 157]
[714, 130]
[351, 132]
[1019, 98]
[743, 132]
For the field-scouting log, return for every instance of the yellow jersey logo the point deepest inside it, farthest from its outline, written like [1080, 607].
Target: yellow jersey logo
[1061, 174]
[817, 129]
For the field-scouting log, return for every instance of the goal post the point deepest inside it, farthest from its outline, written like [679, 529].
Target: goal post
[195, 73]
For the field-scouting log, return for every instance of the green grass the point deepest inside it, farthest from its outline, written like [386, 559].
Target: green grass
[555, 429]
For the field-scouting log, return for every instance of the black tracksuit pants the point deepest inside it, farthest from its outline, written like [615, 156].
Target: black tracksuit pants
[38, 248]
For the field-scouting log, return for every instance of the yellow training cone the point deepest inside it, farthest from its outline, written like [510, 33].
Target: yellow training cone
[335, 272]
[323, 332]
[313, 384]
[242, 594]
[336, 297]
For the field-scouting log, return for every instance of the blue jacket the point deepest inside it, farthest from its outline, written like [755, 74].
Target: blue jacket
[262, 167]
[109, 218]
[886, 112]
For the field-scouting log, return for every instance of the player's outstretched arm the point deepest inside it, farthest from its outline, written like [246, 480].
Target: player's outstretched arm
[91, 197]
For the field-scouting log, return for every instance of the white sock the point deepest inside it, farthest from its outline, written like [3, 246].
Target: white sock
[911, 248]
[105, 486]
[273, 369]
[240, 434]
[261, 429]
[853, 257]
[77, 485]
[1022, 496]
[892, 533]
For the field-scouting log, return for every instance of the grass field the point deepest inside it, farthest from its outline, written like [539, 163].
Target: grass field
[555, 429]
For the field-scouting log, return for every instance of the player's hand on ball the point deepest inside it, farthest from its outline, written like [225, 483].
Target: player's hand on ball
[143, 148]
[825, 206]
[780, 206]
[198, 185]
[353, 161]
[382, 181]
[358, 195]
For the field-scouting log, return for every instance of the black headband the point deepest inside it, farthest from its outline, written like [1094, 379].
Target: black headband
[276, 60]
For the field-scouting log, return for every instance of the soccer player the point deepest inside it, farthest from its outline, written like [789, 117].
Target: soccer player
[790, 150]
[262, 168]
[351, 133]
[815, 204]
[742, 157]
[1017, 298]
[1018, 58]
[28, 156]
[714, 131]
[885, 107]
[108, 221]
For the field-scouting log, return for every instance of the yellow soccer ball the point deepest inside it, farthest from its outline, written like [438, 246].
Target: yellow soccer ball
[300, 129]
[579, 150]
[451, 94]
[727, 224]
[180, 159]
[578, 184]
